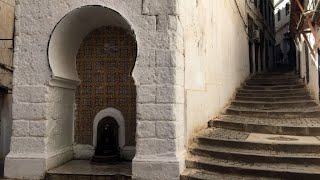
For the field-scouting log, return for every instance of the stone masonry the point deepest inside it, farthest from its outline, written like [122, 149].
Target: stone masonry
[43, 113]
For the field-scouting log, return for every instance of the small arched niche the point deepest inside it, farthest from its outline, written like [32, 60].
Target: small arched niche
[68, 35]
[117, 116]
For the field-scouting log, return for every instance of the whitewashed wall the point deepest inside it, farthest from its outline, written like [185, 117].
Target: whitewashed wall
[216, 58]
[313, 85]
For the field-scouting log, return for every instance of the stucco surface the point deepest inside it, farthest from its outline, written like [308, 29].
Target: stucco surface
[216, 58]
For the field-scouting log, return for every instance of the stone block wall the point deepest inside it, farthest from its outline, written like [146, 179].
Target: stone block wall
[43, 113]
[160, 132]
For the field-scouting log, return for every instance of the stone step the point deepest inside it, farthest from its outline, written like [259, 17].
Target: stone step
[275, 81]
[273, 92]
[275, 78]
[275, 75]
[286, 171]
[256, 141]
[250, 87]
[84, 169]
[263, 95]
[252, 156]
[275, 113]
[274, 105]
[249, 97]
[86, 177]
[271, 83]
[293, 126]
[196, 174]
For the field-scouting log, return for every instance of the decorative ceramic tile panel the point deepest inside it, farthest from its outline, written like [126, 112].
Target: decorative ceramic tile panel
[104, 64]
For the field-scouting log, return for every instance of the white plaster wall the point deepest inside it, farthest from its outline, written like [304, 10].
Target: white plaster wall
[302, 60]
[216, 58]
[59, 126]
[313, 85]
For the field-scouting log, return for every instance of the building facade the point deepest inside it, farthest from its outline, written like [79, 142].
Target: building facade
[305, 40]
[154, 72]
[282, 20]
[261, 35]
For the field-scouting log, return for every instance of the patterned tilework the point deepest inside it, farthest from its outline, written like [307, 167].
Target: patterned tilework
[104, 63]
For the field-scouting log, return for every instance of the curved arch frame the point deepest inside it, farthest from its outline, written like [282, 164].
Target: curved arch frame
[62, 50]
[117, 115]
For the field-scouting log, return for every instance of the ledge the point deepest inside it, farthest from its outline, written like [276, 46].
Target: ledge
[64, 83]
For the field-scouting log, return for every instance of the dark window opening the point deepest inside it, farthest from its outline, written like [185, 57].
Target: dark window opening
[306, 52]
[261, 7]
[287, 8]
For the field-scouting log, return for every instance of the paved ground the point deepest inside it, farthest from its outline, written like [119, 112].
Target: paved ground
[84, 167]
[234, 135]
[284, 109]
[224, 134]
[218, 176]
[84, 170]
[291, 122]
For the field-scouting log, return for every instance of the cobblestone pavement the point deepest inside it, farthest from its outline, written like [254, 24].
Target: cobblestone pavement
[218, 176]
[224, 134]
[271, 153]
[292, 122]
[277, 167]
[284, 109]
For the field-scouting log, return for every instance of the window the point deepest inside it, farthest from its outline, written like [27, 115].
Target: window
[279, 15]
[255, 3]
[261, 6]
[265, 13]
[287, 8]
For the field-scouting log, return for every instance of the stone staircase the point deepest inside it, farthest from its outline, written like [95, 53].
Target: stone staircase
[271, 130]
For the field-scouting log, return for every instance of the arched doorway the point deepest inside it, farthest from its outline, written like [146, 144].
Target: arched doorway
[105, 61]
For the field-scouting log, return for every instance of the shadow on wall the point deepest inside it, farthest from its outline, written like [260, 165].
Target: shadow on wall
[5, 128]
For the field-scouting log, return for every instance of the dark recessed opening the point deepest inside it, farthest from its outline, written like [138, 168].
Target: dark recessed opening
[107, 149]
